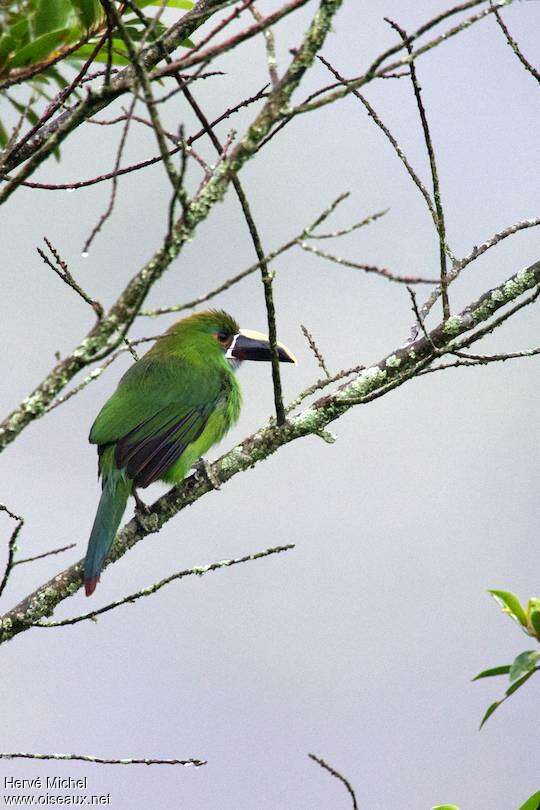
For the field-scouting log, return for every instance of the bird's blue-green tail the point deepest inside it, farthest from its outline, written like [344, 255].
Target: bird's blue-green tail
[112, 505]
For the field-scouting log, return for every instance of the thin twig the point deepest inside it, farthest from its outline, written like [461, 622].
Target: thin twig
[515, 47]
[338, 775]
[419, 320]
[319, 385]
[368, 268]
[382, 126]
[103, 761]
[481, 359]
[114, 185]
[198, 571]
[315, 349]
[62, 271]
[270, 48]
[441, 227]
[45, 554]
[12, 545]
[344, 231]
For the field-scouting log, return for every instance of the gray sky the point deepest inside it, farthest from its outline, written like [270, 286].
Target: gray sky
[360, 644]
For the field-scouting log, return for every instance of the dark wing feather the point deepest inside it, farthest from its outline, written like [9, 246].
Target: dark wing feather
[151, 448]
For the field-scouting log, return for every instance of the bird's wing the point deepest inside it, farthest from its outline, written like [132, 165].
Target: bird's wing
[160, 407]
[148, 450]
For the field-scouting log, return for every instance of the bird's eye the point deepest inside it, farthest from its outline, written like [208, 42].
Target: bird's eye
[223, 337]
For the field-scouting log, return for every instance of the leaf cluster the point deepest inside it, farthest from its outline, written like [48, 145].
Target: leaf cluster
[526, 663]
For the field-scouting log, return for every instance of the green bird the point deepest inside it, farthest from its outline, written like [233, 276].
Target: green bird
[170, 407]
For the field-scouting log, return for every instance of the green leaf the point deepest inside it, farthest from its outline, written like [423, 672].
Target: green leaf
[534, 618]
[57, 77]
[40, 48]
[490, 711]
[7, 46]
[51, 15]
[4, 137]
[89, 12]
[519, 683]
[510, 691]
[20, 31]
[445, 807]
[28, 113]
[510, 604]
[489, 673]
[532, 803]
[525, 662]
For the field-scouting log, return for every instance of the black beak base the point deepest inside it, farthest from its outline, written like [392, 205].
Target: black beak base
[247, 348]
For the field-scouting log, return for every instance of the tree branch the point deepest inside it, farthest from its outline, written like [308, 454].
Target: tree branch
[102, 761]
[198, 571]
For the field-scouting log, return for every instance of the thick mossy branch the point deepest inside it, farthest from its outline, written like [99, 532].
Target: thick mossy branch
[401, 365]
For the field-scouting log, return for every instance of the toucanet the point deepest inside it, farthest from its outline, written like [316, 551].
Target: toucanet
[170, 407]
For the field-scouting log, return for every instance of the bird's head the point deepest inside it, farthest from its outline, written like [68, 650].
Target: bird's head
[236, 344]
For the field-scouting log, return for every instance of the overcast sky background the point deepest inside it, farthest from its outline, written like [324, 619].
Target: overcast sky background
[360, 644]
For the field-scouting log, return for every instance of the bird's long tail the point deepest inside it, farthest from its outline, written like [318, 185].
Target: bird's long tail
[112, 505]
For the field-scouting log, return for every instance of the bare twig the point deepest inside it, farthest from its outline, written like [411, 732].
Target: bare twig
[62, 271]
[270, 48]
[382, 126]
[114, 185]
[481, 359]
[103, 761]
[368, 268]
[320, 385]
[515, 47]
[105, 337]
[45, 554]
[344, 231]
[338, 775]
[315, 349]
[419, 320]
[441, 227]
[198, 571]
[12, 545]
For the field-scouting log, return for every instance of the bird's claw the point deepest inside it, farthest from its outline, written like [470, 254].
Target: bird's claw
[141, 508]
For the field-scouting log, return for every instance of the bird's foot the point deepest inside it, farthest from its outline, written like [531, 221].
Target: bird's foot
[141, 508]
[203, 470]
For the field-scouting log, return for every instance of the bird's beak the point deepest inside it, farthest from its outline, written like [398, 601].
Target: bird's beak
[248, 345]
